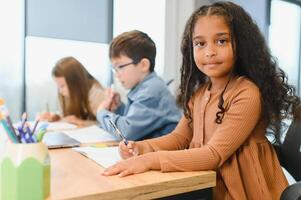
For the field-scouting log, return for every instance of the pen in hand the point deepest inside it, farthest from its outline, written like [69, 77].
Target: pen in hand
[47, 107]
[118, 132]
[111, 103]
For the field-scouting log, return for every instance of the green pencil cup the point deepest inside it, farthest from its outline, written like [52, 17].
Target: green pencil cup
[25, 172]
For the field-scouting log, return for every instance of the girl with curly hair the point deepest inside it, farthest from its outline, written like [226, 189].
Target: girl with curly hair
[231, 92]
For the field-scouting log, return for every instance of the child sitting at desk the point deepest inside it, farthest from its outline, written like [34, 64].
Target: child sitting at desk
[151, 110]
[79, 93]
[231, 91]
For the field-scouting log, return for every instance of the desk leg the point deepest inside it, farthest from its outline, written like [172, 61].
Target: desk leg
[204, 194]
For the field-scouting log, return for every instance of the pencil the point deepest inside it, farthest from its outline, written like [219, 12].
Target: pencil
[35, 125]
[118, 132]
[47, 107]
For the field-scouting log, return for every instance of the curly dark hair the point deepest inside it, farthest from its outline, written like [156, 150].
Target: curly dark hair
[253, 60]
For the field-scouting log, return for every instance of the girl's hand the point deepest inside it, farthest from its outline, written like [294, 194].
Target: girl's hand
[49, 116]
[45, 116]
[129, 150]
[134, 165]
[77, 121]
[73, 120]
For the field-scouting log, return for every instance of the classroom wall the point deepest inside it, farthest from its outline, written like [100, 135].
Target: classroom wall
[12, 55]
[70, 19]
[258, 9]
[55, 29]
[177, 14]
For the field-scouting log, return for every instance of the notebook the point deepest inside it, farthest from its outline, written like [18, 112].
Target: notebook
[104, 156]
[90, 134]
[55, 140]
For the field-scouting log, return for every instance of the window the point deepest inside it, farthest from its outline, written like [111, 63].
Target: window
[56, 29]
[140, 15]
[11, 55]
[284, 38]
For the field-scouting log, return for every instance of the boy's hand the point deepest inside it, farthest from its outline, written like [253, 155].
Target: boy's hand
[106, 103]
[129, 150]
[115, 102]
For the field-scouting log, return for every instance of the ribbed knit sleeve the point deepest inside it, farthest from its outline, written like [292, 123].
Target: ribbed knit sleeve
[243, 106]
[179, 139]
[240, 121]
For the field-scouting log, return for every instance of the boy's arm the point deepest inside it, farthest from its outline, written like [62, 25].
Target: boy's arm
[103, 116]
[142, 117]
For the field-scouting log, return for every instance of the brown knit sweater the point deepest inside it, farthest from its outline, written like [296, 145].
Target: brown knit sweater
[246, 163]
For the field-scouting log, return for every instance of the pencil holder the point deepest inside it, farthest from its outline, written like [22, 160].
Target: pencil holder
[25, 172]
[3, 142]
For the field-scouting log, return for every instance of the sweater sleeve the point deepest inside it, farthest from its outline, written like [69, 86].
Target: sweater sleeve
[238, 123]
[179, 139]
[142, 117]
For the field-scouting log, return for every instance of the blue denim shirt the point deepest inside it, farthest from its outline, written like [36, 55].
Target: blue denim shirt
[151, 111]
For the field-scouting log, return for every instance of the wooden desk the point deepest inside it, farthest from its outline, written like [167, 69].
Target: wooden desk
[74, 176]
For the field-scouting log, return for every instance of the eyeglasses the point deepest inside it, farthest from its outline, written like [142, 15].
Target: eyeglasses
[120, 67]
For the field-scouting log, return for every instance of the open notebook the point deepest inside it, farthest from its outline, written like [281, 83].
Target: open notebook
[75, 137]
[104, 156]
[90, 134]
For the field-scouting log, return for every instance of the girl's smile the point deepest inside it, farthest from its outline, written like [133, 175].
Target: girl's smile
[211, 65]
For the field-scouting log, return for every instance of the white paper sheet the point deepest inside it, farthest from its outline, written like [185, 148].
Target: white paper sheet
[91, 134]
[105, 156]
[56, 126]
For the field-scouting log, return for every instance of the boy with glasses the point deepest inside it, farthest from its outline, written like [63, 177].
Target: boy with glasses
[151, 110]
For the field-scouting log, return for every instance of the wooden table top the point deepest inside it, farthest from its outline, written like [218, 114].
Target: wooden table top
[74, 176]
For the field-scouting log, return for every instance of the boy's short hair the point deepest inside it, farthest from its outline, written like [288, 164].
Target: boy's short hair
[135, 45]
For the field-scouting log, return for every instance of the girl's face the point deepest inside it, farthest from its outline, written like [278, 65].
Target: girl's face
[62, 86]
[212, 47]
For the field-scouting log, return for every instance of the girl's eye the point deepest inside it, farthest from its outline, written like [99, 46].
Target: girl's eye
[199, 44]
[222, 41]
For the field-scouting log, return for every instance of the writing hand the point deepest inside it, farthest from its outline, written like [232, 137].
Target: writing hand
[49, 116]
[129, 150]
[73, 120]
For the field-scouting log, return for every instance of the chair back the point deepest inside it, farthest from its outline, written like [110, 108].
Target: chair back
[290, 150]
[292, 192]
